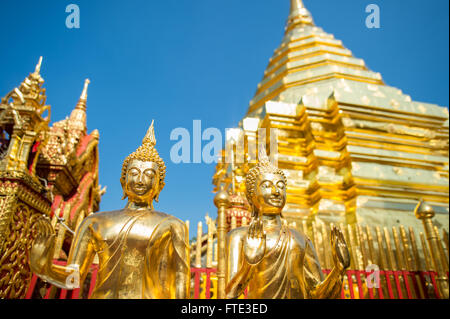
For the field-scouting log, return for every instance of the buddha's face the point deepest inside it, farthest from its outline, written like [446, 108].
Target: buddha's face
[270, 193]
[142, 181]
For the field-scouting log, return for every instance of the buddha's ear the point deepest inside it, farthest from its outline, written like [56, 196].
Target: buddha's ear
[156, 197]
[123, 191]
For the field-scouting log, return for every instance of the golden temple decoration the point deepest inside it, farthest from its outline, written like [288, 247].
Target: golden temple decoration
[222, 202]
[39, 167]
[425, 213]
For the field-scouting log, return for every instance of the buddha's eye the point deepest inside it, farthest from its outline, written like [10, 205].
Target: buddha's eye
[281, 185]
[149, 173]
[267, 184]
[133, 172]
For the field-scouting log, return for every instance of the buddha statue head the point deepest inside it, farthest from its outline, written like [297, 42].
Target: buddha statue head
[143, 172]
[266, 187]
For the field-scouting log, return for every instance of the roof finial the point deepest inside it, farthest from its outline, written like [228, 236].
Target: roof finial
[85, 88]
[299, 15]
[38, 66]
[78, 116]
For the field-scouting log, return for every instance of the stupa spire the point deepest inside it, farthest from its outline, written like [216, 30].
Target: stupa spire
[299, 15]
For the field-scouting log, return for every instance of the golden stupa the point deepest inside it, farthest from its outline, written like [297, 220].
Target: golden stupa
[354, 149]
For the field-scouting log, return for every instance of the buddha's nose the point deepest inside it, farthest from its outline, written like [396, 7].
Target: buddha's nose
[275, 190]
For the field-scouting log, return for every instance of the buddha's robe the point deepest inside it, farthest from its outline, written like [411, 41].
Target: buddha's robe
[289, 270]
[142, 254]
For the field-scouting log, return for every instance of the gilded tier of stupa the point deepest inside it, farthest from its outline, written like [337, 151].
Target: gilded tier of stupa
[354, 149]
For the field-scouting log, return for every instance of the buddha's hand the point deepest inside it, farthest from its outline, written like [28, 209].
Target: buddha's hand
[255, 242]
[43, 247]
[341, 255]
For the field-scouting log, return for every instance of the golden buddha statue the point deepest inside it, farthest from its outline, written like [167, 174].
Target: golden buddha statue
[273, 260]
[142, 253]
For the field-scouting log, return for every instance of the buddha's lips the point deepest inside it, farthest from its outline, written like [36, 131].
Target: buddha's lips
[139, 189]
[276, 199]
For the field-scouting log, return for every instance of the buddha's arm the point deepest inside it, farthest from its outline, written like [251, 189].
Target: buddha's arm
[317, 286]
[80, 259]
[239, 271]
[182, 262]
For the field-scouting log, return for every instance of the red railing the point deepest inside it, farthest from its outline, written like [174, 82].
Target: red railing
[392, 285]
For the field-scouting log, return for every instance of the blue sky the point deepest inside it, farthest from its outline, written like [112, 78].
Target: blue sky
[176, 61]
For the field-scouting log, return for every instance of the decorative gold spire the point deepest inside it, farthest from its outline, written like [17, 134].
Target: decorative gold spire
[35, 77]
[77, 118]
[30, 91]
[81, 105]
[37, 70]
[85, 88]
[299, 15]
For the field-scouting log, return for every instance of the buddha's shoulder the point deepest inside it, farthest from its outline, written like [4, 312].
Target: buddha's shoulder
[121, 213]
[94, 217]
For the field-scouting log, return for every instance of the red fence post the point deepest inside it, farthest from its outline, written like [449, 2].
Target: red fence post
[208, 284]
[350, 283]
[389, 286]
[432, 275]
[31, 287]
[397, 284]
[63, 294]
[196, 272]
[93, 279]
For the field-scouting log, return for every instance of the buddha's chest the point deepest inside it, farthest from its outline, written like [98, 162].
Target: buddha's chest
[275, 239]
[127, 238]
